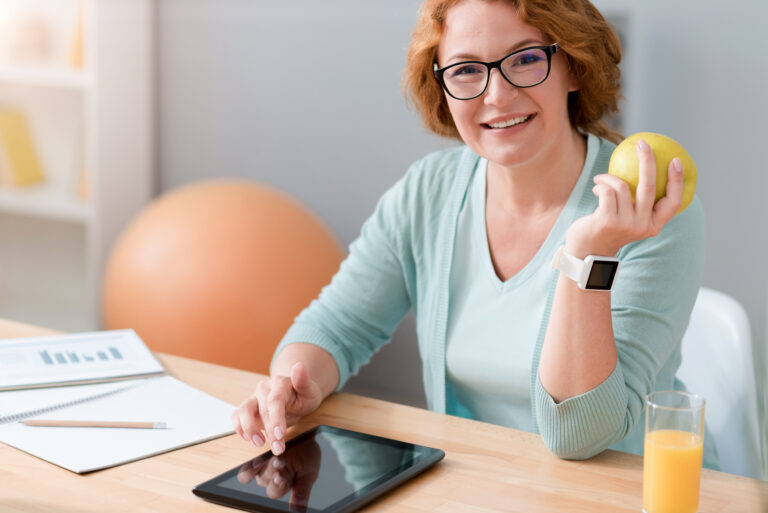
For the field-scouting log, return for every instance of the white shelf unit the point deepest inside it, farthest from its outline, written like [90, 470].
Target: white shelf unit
[53, 242]
[45, 76]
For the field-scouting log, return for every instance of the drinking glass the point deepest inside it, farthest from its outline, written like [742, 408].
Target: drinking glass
[674, 436]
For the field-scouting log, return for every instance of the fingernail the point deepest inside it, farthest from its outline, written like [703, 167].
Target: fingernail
[677, 165]
[276, 448]
[642, 145]
[258, 440]
[278, 432]
[277, 479]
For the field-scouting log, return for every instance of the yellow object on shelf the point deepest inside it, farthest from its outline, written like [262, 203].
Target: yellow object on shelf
[19, 162]
[83, 191]
[76, 50]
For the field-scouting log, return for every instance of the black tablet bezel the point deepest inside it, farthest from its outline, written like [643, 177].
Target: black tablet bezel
[425, 457]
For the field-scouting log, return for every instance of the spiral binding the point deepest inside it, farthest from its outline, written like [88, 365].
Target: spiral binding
[23, 415]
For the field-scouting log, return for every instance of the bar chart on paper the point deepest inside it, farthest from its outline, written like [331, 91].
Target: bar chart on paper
[63, 358]
[43, 361]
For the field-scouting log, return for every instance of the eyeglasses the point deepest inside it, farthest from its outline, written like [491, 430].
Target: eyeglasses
[522, 68]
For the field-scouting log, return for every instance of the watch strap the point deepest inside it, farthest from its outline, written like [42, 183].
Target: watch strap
[568, 264]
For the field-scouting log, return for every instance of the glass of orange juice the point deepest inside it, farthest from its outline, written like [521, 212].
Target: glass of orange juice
[674, 435]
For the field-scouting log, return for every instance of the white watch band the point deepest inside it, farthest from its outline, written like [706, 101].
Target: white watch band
[593, 273]
[569, 265]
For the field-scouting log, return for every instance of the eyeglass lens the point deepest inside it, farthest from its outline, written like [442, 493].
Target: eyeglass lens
[523, 69]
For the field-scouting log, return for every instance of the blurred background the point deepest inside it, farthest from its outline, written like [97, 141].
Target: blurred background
[104, 104]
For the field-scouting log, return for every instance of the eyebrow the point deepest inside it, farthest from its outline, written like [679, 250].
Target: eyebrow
[517, 46]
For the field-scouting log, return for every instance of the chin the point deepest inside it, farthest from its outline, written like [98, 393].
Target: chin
[507, 153]
[507, 157]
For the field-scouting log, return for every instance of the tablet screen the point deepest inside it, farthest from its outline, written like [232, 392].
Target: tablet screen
[324, 470]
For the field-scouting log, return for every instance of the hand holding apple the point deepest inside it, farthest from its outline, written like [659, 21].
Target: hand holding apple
[624, 163]
[635, 205]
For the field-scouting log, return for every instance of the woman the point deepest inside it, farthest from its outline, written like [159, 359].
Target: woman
[469, 237]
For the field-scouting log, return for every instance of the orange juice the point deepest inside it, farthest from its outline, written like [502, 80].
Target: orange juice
[671, 471]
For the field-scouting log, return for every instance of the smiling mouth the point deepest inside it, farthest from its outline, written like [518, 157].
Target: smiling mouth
[509, 122]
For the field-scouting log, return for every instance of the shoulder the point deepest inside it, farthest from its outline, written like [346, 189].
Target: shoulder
[432, 179]
[673, 260]
[683, 234]
[418, 198]
[439, 170]
[687, 230]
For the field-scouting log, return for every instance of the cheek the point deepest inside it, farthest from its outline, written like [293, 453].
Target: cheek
[462, 112]
[562, 71]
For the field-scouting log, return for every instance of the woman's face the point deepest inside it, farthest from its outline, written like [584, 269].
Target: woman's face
[488, 31]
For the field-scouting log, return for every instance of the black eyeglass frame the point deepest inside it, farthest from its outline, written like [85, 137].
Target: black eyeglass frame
[549, 50]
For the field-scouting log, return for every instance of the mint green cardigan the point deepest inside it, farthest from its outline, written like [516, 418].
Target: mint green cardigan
[402, 260]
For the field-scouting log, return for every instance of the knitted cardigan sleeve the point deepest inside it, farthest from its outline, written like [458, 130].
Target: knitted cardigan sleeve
[650, 306]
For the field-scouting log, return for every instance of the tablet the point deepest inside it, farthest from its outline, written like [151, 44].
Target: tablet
[324, 470]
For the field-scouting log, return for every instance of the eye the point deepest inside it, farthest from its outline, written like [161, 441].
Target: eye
[528, 58]
[466, 71]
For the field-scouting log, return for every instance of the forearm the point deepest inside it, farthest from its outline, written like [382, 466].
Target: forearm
[579, 350]
[319, 363]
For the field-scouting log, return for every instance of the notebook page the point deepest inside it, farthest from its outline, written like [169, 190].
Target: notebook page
[20, 404]
[191, 415]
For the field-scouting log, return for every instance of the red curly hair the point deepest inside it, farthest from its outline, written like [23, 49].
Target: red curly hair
[589, 43]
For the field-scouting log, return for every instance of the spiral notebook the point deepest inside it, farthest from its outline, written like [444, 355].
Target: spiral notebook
[108, 375]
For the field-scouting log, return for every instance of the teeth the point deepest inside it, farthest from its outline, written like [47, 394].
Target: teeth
[509, 122]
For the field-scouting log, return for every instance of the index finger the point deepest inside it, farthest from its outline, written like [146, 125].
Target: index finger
[275, 423]
[645, 194]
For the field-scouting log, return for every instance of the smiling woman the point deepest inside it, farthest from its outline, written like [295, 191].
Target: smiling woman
[498, 244]
[487, 124]
[592, 52]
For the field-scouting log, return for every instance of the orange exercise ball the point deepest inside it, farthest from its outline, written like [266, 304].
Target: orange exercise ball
[217, 271]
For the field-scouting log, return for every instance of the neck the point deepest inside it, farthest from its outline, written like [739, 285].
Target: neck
[541, 184]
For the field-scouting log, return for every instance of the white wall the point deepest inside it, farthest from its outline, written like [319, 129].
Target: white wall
[697, 71]
[305, 96]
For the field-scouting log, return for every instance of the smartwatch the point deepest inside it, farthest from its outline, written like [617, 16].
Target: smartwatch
[593, 273]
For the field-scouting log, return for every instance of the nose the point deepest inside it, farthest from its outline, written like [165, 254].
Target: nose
[498, 88]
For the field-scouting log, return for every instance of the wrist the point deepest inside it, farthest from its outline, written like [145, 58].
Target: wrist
[581, 249]
[593, 272]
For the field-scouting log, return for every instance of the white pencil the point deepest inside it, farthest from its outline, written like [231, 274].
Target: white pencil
[95, 424]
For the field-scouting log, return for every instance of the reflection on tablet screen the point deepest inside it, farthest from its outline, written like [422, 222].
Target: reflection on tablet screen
[320, 470]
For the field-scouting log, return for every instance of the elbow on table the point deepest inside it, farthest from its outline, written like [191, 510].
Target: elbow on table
[585, 425]
[580, 442]
[568, 451]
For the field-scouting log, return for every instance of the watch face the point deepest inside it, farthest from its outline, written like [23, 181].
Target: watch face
[601, 275]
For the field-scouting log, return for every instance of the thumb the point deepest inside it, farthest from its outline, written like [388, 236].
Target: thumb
[300, 380]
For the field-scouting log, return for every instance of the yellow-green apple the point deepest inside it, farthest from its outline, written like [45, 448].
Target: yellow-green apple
[625, 164]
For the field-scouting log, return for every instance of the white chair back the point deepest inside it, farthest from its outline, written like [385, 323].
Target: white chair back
[718, 364]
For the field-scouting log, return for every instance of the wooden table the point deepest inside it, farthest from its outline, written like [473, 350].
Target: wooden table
[486, 468]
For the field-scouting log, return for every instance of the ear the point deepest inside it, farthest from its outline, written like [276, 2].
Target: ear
[573, 85]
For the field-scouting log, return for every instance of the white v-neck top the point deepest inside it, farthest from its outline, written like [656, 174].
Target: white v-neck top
[492, 324]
